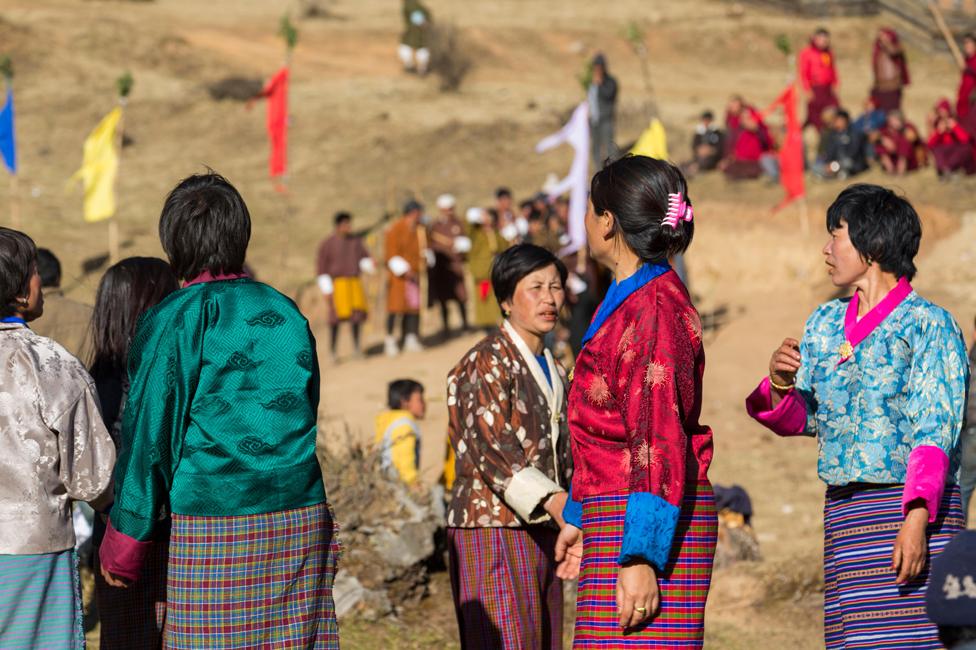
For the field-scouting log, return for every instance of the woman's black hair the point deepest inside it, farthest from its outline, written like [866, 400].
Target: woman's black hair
[513, 264]
[205, 226]
[125, 292]
[883, 227]
[18, 259]
[635, 191]
[49, 268]
[400, 391]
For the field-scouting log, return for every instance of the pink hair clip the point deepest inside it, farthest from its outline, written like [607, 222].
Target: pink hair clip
[678, 210]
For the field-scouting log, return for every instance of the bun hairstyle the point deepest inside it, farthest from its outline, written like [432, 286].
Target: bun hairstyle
[635, 190]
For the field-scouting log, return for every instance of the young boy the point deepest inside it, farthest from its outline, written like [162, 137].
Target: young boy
[398, 431]
[56, 450]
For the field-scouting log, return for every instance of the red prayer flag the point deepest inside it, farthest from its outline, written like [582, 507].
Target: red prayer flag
[276, 91]
[791, 161]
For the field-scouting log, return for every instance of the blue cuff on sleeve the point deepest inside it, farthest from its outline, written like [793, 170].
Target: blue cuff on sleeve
[649, 526]
[573, 511]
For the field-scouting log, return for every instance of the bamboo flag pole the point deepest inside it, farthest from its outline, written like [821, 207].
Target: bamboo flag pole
[946, 34]
[289, 34]
[124, 86]
[14, 201]
[636, 37]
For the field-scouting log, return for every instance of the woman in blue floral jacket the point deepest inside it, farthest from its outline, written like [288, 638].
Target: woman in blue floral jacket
[880, 379]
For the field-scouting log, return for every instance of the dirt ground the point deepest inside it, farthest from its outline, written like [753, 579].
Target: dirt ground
[364, 137]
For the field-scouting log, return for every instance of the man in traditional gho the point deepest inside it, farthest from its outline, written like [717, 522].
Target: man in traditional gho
[880, 379]
[64, 320]
[449, 244]
[967, 82]
[219, 430]
[405, 260]
[342, 258]
[890, 70]
[507, 425]
[413, 50]
[601, 98]
[818, 76]
[55, 450]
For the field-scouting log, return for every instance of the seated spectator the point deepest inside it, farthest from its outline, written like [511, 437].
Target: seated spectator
[844, 149]
[950, 599]
[870, 123]
[707, 145]
[398, 431]
[872, 119]
[749, 150]
[899, 146]
[951, 146]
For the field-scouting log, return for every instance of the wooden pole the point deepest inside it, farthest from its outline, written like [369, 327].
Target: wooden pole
[804, 219]
[113, 223]
[946, 34]
[14, 202]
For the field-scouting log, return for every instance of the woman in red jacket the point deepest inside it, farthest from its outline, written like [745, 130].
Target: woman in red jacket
[640, 455]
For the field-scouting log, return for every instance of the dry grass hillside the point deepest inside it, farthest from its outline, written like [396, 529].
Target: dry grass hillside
[364, 137]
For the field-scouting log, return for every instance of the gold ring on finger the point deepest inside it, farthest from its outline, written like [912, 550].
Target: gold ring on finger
[642, 610]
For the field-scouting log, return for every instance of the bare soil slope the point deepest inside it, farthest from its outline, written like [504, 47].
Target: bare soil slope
[364, 137]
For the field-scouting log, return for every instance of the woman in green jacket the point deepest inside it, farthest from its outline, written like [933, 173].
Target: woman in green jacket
[219, 429]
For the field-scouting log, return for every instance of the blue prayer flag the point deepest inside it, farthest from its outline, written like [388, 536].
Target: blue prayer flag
[8, 146]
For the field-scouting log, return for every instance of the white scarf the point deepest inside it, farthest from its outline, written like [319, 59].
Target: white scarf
[554, 393]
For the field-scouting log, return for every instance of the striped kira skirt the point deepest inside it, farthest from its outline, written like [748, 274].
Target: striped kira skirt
[40, 602]
[506, 593]
[683, 586]
[863, 607]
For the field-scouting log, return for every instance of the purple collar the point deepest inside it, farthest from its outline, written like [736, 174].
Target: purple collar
[207, 276]
[856, 330]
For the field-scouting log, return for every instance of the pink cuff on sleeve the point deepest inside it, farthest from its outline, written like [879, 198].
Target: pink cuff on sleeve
[925, 478]
[122, 555]
[789, 418]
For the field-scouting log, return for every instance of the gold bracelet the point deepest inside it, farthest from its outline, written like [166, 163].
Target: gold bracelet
[782, 388]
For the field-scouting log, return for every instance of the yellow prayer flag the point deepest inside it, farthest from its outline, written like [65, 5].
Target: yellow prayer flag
[99, 168]
[653, 142]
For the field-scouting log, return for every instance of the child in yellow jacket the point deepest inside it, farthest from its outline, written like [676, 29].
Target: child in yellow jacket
[398, 429]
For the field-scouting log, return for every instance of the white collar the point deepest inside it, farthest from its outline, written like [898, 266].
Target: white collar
[555, 392]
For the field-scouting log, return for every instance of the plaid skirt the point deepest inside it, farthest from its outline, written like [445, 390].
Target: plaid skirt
[134, 616]
[40, 602]
[506, 593]
[863, 607]
[253, 581]
[683, 585]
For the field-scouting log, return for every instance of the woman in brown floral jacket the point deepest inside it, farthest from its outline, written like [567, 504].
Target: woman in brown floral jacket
[507, 424]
